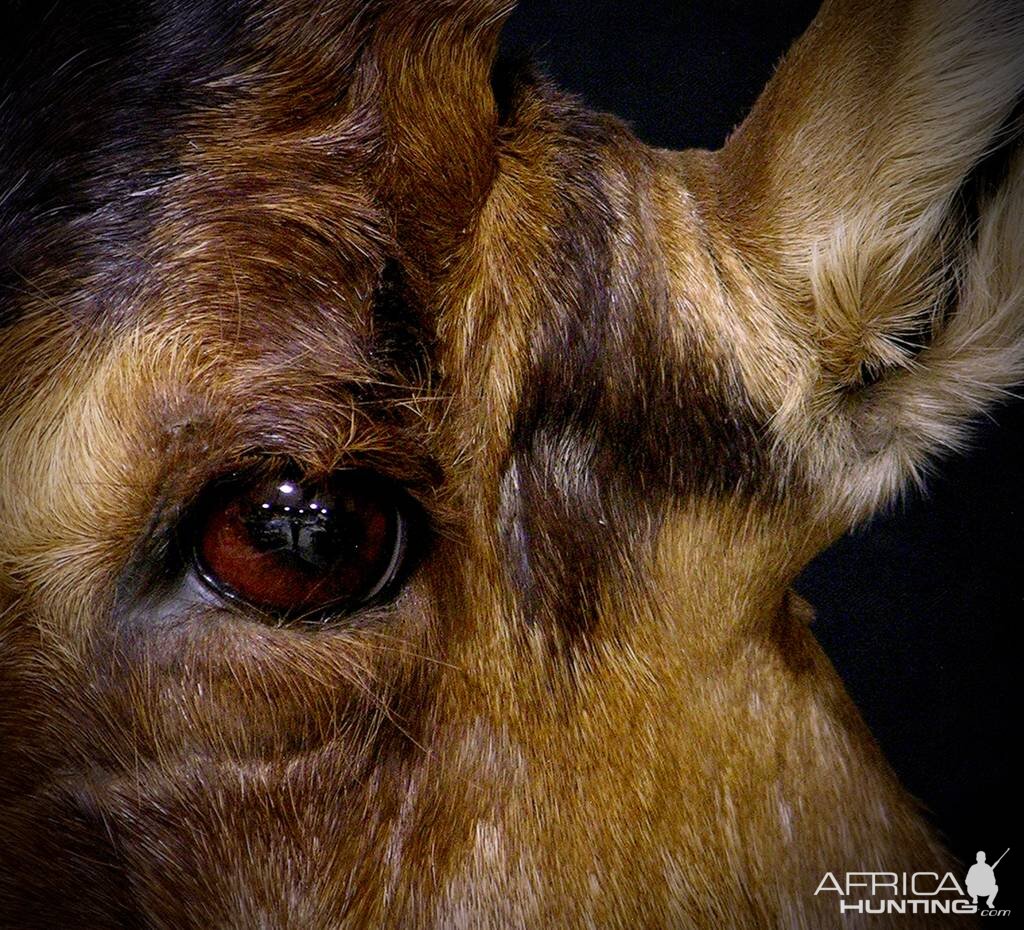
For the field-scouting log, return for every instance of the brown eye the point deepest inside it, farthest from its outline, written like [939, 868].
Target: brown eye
[299, 548]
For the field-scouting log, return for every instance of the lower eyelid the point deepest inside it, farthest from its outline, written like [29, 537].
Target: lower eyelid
[178, 603]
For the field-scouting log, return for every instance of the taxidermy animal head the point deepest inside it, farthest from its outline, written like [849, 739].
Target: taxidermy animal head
[404, 469]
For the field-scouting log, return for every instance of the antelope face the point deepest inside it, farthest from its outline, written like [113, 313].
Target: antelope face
[404, 469]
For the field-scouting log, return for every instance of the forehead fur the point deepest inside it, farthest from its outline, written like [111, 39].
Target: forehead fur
[322, 198]
[110, 113]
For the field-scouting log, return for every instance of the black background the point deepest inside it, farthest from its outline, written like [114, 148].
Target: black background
[916, 609]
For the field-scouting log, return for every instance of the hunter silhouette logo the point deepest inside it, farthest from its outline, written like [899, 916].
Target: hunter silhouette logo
[981, 879]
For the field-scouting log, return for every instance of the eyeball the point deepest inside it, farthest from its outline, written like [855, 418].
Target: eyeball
[301, 549]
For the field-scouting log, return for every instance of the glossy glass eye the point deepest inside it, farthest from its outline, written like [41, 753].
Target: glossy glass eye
[300, 549]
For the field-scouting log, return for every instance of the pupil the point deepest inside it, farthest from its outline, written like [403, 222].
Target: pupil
[312, 527]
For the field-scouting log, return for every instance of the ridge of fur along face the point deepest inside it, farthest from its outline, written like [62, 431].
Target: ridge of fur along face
[624, 394]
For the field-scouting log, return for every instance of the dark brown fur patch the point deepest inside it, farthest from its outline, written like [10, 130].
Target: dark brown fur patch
[612, 425]
[78, 182]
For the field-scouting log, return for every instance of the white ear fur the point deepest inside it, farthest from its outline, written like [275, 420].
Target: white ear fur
[862, 219]
[864, 447]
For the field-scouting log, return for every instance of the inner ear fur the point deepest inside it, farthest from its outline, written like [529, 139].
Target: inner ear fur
[877, 192]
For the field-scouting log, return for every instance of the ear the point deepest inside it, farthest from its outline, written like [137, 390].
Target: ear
[428, 68]
[876, 192]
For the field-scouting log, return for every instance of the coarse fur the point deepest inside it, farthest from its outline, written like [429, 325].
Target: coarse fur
[633, 392]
